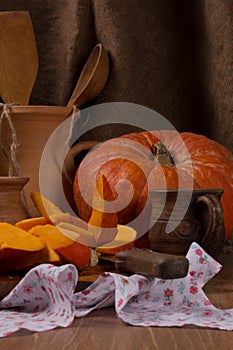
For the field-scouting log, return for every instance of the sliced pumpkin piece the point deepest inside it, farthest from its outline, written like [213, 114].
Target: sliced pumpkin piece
[93, 237]
[102, 224]
[26, 224]
[77, 234]
[67, 217]
[13, 239]
[70, 251]
[53, 213]
[101, 228]
[19, 250]
[124, 240]
[21, 261]
[45, 207]
[50, 235]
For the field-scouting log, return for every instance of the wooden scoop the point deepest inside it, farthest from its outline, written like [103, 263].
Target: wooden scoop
[18, 57]
[92, 78]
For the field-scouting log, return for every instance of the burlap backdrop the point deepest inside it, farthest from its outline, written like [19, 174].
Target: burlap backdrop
[175, 57]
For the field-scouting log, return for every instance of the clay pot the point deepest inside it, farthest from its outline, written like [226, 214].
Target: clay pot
[33, 125]
[12, 205]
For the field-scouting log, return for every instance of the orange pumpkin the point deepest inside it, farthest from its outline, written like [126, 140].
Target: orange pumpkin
[155, 160]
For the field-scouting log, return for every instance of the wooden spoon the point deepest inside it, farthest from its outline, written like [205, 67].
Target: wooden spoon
[92, 78]
[18, 58]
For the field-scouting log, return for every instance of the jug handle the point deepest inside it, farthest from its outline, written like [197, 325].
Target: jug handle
[69, 167]
[214, 236]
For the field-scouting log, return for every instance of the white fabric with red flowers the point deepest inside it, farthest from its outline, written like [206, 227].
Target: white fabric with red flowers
[45, 298]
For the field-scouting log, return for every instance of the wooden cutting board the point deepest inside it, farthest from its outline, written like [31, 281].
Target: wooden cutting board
[7, 283]
[18, 57]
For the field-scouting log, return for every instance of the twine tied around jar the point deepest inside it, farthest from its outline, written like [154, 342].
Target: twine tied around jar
[74, 118]
[13, 165]
[14, 168]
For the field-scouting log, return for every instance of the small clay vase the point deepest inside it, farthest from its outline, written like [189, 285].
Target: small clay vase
[12, 206]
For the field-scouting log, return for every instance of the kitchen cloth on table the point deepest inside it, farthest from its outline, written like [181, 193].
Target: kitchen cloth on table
[45, 298]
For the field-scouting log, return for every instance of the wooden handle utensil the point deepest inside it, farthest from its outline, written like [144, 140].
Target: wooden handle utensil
[145, 262]
[92, 78]
[18, 57]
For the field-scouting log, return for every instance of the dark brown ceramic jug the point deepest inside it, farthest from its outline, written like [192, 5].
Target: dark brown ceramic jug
[180, 217]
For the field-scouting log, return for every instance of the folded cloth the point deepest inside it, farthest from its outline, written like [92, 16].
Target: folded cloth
[42, 300]
[148, 301]
[45, 298]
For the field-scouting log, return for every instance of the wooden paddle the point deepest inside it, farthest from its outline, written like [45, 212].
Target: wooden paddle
[18, 57]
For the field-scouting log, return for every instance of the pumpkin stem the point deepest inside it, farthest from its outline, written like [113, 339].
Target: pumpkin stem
[162, 155]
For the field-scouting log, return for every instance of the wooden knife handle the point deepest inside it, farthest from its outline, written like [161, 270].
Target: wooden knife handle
[160, 265]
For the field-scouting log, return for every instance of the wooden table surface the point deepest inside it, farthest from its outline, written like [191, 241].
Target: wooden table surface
[102, 330]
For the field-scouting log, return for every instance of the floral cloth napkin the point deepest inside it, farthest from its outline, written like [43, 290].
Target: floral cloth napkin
[45, 298]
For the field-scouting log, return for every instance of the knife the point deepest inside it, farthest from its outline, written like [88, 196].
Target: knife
[150, 263]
